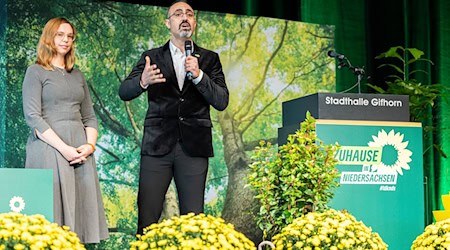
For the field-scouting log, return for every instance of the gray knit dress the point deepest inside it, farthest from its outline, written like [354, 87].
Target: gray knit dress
[60, 100]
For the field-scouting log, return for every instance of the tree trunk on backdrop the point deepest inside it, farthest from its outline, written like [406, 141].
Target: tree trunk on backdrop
[240, 206]
[170, 204]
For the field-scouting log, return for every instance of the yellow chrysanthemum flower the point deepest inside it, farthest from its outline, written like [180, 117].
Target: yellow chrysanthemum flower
[328, 230]
[190, 232]
[435, 236]
[19, 231]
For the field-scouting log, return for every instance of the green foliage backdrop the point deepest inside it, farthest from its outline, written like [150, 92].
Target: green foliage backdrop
[266, 61]
[2, 79]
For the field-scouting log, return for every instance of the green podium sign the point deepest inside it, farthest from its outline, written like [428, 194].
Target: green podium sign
[380, 159]
[381, 182]
[27, 191]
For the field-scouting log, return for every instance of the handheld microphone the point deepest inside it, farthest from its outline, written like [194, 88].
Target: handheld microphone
[188, 51]
[334, 54]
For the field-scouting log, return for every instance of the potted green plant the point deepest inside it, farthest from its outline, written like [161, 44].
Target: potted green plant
[402, 82]
[293, 180]
[422, 97]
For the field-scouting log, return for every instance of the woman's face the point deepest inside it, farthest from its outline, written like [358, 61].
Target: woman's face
[64, 38]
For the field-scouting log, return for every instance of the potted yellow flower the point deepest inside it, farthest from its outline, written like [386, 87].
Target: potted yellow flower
[435, 236]
[330, 229]
[19, 231]
[192, 232]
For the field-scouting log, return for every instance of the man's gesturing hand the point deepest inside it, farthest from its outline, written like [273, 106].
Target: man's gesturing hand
[151, 74]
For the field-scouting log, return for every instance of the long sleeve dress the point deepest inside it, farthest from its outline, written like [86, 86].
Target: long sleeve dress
[60, 100]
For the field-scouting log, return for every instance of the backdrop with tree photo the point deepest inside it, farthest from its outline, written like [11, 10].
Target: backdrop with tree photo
[266, 61]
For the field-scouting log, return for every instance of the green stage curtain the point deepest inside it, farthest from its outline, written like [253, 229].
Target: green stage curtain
[350, 19]
[364, 29]
[418, 24]
[440, 43]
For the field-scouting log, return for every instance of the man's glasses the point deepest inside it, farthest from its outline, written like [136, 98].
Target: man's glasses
[180, 13]
[61, 36]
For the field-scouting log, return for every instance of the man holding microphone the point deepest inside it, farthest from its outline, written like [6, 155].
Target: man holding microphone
[177, 140]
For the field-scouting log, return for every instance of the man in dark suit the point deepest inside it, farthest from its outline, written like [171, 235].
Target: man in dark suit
[177, 137]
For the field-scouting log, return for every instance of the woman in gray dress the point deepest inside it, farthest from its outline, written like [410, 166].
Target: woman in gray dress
[58, 109]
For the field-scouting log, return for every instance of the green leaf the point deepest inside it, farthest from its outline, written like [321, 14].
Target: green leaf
[416, 53]
[398, 69]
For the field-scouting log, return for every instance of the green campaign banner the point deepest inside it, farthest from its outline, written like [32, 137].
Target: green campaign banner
[27, 191]
[381, 182]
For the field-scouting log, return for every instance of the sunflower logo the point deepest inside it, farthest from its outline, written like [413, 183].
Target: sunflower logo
[395, 156]
[17, 204]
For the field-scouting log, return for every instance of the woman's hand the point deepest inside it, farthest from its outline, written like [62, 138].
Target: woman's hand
[72, 155]
[86, 149]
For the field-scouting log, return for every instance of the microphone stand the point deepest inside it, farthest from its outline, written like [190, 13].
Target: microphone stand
[358, 71]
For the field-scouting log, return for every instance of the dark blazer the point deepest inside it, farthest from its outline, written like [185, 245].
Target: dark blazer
[172, 114]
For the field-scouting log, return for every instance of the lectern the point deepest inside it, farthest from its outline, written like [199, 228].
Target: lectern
[380, 158]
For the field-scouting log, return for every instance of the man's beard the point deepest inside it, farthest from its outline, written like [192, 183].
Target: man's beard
[186, 34]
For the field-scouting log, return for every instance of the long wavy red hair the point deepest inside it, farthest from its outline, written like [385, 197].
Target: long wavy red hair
[46, 48]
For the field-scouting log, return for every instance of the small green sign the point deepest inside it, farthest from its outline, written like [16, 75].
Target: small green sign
[27, 191]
